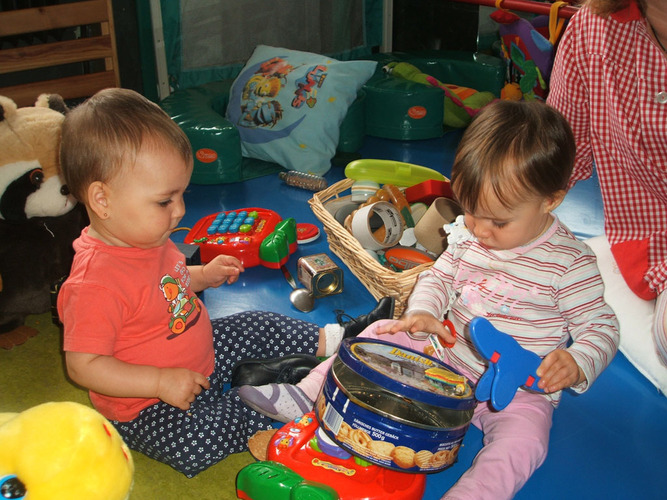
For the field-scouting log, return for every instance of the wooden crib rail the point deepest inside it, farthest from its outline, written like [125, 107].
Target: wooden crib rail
[95, 13]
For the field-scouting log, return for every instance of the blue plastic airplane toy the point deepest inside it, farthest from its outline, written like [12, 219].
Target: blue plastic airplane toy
[510, 365]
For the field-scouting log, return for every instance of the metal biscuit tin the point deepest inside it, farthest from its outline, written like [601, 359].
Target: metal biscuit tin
[395, 407]
[320, 275]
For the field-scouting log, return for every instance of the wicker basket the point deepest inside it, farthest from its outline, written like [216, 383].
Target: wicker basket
[379, 280]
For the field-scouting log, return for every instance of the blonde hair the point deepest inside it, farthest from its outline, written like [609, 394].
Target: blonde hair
[513, 149]
[103, 135]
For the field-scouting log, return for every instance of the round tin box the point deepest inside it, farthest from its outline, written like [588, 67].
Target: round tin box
[395, 407]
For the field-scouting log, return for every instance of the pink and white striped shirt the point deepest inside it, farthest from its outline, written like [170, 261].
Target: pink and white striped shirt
[610, 81]
[544, 294]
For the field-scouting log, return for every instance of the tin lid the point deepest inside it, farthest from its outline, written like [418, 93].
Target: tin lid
[306, 232]
[407, 372]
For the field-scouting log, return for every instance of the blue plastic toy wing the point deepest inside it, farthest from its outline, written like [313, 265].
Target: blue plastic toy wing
[510, 365]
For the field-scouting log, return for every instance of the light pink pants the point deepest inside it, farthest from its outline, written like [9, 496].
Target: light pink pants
[516, 439]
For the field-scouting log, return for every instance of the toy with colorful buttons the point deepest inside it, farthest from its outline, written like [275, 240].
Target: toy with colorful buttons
[241, 233]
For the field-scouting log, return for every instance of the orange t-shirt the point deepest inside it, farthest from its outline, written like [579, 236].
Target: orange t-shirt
[137, 306]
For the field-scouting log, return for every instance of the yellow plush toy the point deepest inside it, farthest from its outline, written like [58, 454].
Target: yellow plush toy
[62, 451]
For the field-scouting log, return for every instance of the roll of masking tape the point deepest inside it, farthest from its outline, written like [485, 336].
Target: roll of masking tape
[362, 190]
[377, 226]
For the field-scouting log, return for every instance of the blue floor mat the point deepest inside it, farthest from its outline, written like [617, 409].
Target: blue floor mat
[608, 443]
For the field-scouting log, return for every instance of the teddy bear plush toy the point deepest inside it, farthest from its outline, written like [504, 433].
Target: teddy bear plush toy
[39, 219]
[62, 451]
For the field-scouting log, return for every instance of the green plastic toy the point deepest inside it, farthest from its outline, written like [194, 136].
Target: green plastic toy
[461, 103]
[393, 172]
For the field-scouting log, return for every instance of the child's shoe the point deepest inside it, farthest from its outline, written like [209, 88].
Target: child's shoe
[282, 402]
[383, 310]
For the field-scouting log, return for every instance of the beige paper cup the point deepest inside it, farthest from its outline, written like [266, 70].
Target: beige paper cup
[429, 230]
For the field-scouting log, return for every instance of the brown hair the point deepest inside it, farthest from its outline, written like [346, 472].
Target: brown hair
[514, 149]
[103, 135]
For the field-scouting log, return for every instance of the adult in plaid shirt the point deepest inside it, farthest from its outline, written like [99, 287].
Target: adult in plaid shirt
[610, 81]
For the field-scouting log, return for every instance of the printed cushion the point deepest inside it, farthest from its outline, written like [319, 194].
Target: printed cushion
[288, 105]
[635, 317]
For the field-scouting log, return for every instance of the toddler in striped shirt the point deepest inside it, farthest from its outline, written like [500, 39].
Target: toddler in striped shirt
[513, 262]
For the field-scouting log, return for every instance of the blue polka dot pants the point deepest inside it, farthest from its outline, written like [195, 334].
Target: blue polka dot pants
[218, 423]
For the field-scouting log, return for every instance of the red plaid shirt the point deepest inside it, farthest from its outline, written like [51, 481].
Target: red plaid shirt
[610, 82]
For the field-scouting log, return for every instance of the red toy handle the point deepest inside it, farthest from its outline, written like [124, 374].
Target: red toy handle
[450, 326]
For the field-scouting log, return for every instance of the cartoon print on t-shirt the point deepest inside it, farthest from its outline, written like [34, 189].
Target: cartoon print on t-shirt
[184, 310]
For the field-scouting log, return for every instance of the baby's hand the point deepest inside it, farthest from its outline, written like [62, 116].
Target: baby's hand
[418, 322]
[222, 269]
[179, 386]
[559, 370]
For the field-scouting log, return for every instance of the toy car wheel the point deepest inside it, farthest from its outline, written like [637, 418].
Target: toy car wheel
[178, 326]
